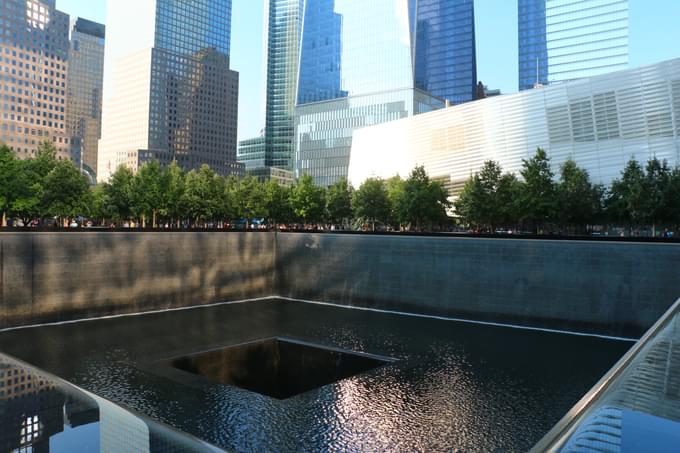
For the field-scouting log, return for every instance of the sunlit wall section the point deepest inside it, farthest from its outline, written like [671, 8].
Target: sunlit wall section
[600, 122]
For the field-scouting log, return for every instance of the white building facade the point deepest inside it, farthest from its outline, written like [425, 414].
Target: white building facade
[601, 122]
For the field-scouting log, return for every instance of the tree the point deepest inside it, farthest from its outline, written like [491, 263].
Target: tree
[102, 206]
[397, 200]
[370, 202]
[66, 192]
[489, 198]
[538, 195]
[308, 200]
[8, 180]
[507, 196]
[655, 183]
[253, 197]
[626, 201]
[470, 203]
[339, 202]
[172, 183]
[578, 200]
[424, 201]
[277, 202]
[45, 160]
[203, 195]
[120, 193]
[147, 191]
[672, 198]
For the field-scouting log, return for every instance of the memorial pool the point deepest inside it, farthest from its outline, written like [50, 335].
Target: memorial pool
[409, 384]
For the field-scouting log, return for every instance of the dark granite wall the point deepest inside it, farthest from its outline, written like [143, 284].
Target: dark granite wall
[61, 276]
[605, 287]
[611, 288]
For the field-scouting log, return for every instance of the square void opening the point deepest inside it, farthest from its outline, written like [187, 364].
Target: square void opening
[277, 367]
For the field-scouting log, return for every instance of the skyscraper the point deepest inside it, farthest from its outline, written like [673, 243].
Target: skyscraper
[275, 149]
[85, 84]
[168, 91]
[562, 40]
[446, 62]
[365, 63]
[34, 51]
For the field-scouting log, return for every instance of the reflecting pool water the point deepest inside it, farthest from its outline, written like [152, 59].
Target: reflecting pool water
[434, 386]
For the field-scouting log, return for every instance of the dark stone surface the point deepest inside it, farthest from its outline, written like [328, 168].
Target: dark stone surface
[55, 276]
[605, 287]
[614, 288]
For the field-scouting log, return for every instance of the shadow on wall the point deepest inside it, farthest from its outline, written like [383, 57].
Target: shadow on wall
[610, 288]
[54, 277]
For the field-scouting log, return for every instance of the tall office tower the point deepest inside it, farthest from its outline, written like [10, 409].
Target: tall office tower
[365, 63]
[168, 91]
[446, 62]
[561, 40]
[276, 147]
[34, 50]
[85, 84]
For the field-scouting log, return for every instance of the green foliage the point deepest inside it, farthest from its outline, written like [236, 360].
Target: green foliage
[277, 202]
[626, 197]
[308, 200]
[172, 183]
[147, 191]
[396, 197]
[66, 192]
[579, 202]
[538, 197]
[48, 187]
[371, 203]
[120, 194]
[672, 198]
[423, 202]
[102, 207]
[203, 195]
[656, 181]
[489, 199]
[339, 202]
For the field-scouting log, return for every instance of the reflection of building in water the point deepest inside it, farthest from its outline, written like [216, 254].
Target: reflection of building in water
[121, 432]
[31, 410]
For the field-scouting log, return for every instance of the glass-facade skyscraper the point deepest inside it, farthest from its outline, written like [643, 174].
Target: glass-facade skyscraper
[561, 40]
[275, 149]
[365, 63]
[168, 91]
[446, 63]
[85, 80]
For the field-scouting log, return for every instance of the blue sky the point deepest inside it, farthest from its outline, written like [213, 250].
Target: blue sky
[654, 36]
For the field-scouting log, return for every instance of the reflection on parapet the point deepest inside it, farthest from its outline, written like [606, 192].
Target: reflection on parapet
[636, 406]
[40, 413]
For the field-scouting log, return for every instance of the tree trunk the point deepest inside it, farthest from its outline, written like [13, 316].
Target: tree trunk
[153, 214]
[143, 221]
[4, 218]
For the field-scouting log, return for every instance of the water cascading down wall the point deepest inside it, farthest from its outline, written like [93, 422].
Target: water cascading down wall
[611, 288]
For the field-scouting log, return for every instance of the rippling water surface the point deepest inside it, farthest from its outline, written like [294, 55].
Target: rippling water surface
[455, 386]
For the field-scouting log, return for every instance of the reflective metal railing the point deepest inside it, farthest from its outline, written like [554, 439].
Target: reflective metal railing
[40, 412]
[635, 406]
